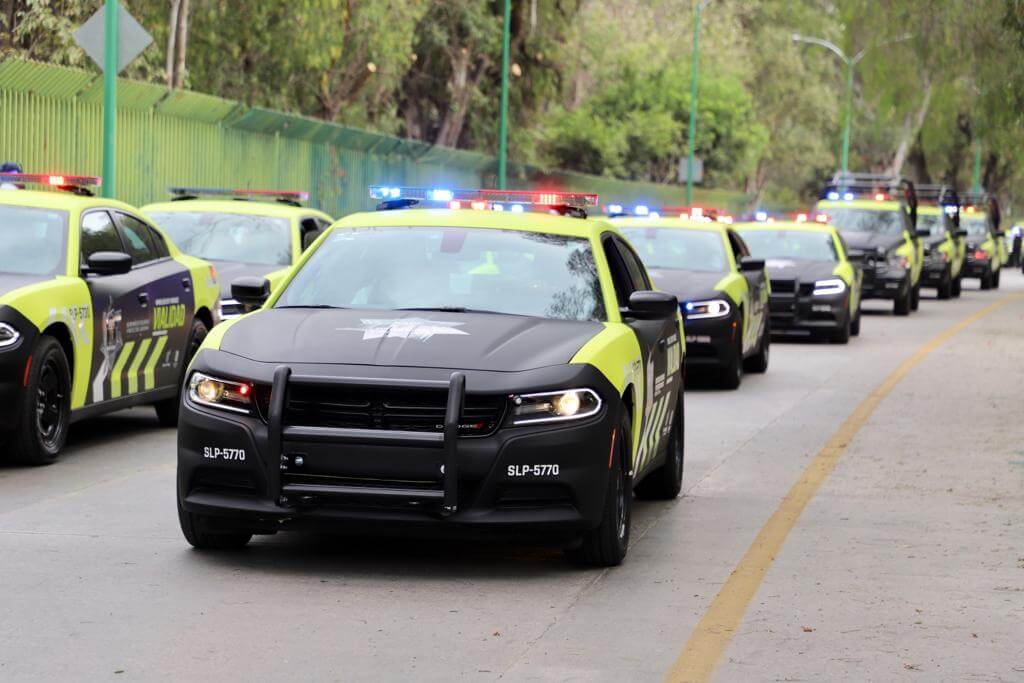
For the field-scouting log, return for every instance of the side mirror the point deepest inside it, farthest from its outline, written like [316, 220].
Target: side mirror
[250, 291]
[1000, 233]
[923, 232]
[749, 264]
[651, 305]
[309, 237]
[109, 263]
[960, 233]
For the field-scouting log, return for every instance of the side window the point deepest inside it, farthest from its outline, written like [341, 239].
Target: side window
[159, 244]
[739, 247]
[620, 276]
[309, 229]
[98, 234]
[137, 238]
[637, 275]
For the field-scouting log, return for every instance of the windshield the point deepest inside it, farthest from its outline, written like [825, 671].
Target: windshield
[934, 223]
[802, 245]
[975, 225]
[32, 240]
[241, 238]
[501, 271]
[866, 220]
[679, 249]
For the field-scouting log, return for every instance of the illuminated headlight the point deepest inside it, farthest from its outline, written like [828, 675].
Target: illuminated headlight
[829, 287]
[713, 308]
[8, 335]
[220, 393]
[555, 406]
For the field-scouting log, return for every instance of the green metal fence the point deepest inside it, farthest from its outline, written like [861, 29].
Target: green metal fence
[51, 121]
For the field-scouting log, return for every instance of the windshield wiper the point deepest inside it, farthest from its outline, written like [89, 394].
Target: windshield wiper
[449, 309]
[311, 306]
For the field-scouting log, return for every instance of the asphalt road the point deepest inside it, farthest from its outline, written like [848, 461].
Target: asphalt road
[906, 564]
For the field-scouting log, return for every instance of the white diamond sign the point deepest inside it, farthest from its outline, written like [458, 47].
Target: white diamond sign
[132, 39]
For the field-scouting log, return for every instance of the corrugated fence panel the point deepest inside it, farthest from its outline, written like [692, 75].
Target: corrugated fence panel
[51, 121]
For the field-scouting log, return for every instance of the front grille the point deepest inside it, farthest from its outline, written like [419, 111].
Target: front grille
[783, 286]
[415, 410]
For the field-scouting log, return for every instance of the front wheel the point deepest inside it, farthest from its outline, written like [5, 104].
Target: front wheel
[45, 410]
[758, 363]
[915, 297]
[945, 288]
[986, 279]
[995, 279]
[167, 410]
[902, 305]
[731, 374]
[666, 482]
[193, 527]
[958, 283]
[606, 545]
[855, 325]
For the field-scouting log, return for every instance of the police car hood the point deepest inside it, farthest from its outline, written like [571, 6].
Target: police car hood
[799, 269]
[686, 284]
[427, 339]
[11, 281]
[869, 242]
[229, 271]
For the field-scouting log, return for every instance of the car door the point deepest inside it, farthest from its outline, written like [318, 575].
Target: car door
[119, 306]
[756, 303]
[167, 298]
[661, 349]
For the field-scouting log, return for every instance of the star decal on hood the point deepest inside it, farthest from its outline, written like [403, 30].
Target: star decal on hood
[419, 329]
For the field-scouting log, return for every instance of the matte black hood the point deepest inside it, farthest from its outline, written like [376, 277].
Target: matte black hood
[428, 339]
[802, 270]
[229, 271]
[10, 281]
[687, 285]
[871, 241]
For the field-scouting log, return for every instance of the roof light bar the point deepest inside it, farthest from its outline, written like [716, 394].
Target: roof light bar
[61, 181]
[484, 199]
[291, 195]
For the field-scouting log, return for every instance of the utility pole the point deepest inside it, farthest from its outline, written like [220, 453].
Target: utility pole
[976, 177]
[110, 99]
[506, 41]
[694, 76]
[851, 63]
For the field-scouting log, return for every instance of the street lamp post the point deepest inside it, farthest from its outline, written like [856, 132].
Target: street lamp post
[110, 99]
[695, 73]
[851, 63]
[506, 41]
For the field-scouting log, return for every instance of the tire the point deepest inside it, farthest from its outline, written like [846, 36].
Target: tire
[730, 376]
[855, 325]
[842, 335]
[915, 297]
[902, 305]
[666, 482]
[958, 285]
[192, 527]
[606, 545]
[45, 410]
[995, 279]
[986, 280]
[167, 410]
[945, 288]
[758, 363]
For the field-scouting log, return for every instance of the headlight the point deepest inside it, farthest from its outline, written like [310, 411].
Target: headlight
[898, 261]
[829, 287]
[220, 393]
[555, 406]
[713, 308]
[8, 335]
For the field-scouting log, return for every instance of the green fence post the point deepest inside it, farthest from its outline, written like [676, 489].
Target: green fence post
[110, 99]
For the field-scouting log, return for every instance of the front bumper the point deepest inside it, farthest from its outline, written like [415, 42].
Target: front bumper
[710, 343]
[977, 267]
[882, 282]
[803, 314]
[14, 362]
[934, 272]
[537, 481]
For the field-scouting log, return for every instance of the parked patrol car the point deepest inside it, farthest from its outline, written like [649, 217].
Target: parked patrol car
[980, 218]
[98, 311]
[445, 370]
[945, 245]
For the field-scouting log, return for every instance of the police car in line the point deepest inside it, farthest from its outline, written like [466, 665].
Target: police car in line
[242, 232]
[723, 289]
[980, 218]
[472, 368]
[945, 245]
[98, 311]
[815, 289]
[877, 217]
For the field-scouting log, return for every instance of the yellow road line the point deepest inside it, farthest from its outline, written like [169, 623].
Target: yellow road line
[715, 630]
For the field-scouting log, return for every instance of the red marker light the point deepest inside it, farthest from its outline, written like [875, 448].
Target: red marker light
[980, 255]
[880, 197]
[56, 180]
[479, 206]
[455, 205]
[801, 218]
[821, 218]
[244, 389]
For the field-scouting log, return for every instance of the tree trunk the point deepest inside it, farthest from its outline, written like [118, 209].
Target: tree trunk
[911, 126]
[181, 45]
[172, 36]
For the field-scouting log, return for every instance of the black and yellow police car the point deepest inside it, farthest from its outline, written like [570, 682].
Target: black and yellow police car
[723, 290]
[980, 219]
[815, 289]
[480, 369]
[98, 311]
[242, 232]
[945, 252]
[877, 217]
